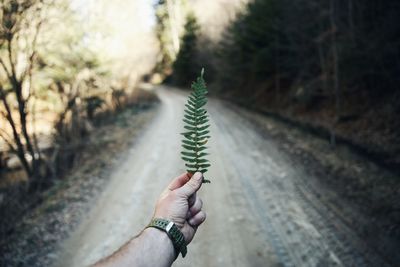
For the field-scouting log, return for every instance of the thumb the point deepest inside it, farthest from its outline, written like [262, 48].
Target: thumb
[192, 185]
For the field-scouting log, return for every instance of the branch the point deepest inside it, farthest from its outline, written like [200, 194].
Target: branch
[10, 119]
[6, 70]
[10, 58]
[20, 147]
[35, 139]
[28, 70]
[5, 136]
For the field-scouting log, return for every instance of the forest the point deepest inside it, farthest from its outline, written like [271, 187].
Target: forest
[56, 86]
[332, 66]
[304, 100]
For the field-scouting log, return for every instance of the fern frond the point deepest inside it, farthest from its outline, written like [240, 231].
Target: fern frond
[196, 127]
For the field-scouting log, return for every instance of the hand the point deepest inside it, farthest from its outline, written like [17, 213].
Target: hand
[180, 204]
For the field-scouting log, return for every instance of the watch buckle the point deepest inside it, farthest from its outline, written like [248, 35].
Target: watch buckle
[169, 226]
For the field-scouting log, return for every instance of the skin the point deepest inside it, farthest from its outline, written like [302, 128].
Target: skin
[178, 203]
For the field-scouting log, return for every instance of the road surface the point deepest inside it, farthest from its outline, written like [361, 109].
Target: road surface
[259, 212]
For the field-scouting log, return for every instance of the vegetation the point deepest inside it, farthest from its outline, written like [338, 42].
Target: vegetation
[185, 66]
[197, 134]
[55, 87]
[281, 39]
[47, 68]
[317, 49]
[16, 82]
[332, 65]
[166, 55]
[167, 31]
[332, 62]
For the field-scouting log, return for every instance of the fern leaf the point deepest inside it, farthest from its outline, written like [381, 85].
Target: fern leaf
[196, 125]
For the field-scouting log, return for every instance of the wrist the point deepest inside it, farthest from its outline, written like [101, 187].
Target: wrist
[162, 241]
[173, 232]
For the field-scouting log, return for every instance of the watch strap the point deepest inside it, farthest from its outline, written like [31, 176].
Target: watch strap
[176, 236]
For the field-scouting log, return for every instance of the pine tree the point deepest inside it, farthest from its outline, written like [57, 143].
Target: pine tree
[185, 67]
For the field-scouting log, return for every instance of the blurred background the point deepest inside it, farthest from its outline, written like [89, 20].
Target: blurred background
[79, 79]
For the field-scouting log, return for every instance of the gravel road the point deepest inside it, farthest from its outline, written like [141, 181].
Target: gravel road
[260, 212]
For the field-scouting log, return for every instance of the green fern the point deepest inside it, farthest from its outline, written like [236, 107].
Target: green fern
[196, 126]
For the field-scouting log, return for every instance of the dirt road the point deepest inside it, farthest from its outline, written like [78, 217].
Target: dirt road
[260, 213]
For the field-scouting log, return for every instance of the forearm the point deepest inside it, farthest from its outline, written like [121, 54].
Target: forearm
[179, 204]
[152, 247]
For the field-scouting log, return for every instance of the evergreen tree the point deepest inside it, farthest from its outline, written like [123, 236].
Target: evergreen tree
[185, 66]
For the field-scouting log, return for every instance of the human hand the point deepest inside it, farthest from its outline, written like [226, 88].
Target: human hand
[180, 204]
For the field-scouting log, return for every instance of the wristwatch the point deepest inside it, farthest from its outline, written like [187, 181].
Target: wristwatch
[176, 236]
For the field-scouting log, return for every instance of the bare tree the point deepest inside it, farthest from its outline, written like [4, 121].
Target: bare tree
[18, 38]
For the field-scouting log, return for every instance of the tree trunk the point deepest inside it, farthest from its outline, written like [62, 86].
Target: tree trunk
[351, 19]
[277, 70]
[20, 148]
[335, 58]
[171, 7]
[22, 115]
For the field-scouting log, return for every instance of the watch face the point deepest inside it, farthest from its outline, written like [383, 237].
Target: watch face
[169, 226]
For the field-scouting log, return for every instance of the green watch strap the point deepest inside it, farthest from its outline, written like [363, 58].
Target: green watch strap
[176, 236]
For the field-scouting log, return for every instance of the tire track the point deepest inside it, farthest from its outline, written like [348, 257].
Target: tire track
[271, 231]
[336, 230]
[262, 210]
[338, 245]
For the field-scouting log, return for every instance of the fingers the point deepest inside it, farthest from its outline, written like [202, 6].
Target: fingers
[197, 219]
[192, 199]
[192, 185]
[179, 181]
[196, 208]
